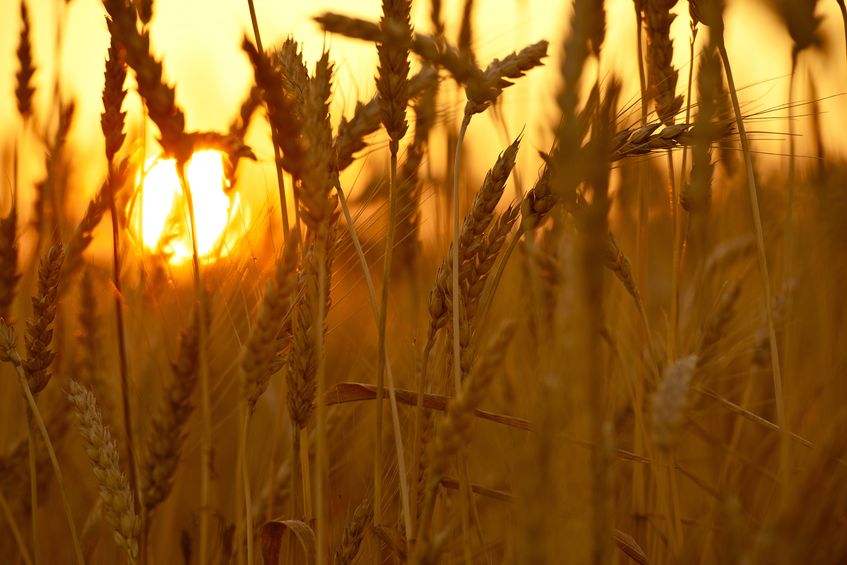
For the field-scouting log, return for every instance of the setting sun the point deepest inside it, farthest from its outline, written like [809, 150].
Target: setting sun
[159, 217]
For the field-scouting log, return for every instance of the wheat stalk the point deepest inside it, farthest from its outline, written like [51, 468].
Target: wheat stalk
[9, 353]
[453, 430]
[393, 88]
[167, 428]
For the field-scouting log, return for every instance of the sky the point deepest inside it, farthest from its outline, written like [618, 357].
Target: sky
[199, 41]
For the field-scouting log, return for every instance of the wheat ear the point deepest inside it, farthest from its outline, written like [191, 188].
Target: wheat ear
[392, 85]
[351, 538]
[9, 353]
[102, 452]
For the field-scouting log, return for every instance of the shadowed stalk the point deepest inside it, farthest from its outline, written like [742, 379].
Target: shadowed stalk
[121, 339]
[322, 470]
[681, 244]
[392, 83]
[456, 297]
[202, 333]
[661, 83]
[392, 397]
[638, 479]
[283, 204]
[784, 446]
[242, 437]
[843, 9]
[792, 169]
[16, 531]
[245, 482]
[10, 354]
[33, 484]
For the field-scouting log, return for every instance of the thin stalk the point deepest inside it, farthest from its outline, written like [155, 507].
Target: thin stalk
[121, 335]
[639, 496]
[305, 473]
[464, 487]
[205, 404]
[457, 299]
[392, 397]
[675, 505]
[466, 502]
[682, 232]
[674, 202]
[640, 49]
[255, 23]
[33, 485]
[277, 433]
[417, 437]
[280, 180]
[792, 171]
[784, 454]
[39, 421]
[245, 481]
[383, 323]
[322, 450]
[16, 531]
[294, 506]
[844, 19]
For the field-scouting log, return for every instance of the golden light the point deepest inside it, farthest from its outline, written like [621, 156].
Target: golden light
[159, 215]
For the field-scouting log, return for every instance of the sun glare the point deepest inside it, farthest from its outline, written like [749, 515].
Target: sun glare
[159, 216]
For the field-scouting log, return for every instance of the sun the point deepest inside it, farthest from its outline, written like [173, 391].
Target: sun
[158, 215]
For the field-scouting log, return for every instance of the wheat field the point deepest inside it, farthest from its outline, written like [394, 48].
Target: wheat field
[436, 289]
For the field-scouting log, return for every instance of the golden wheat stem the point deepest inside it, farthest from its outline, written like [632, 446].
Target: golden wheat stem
[678, 216]
[283, 204]
[245, 480]
[417, 437]
[205, 404]
[16, 531]
[763, 270]
[792, 147]
[688, 100]
[674, 203]
[294, 489]
[681, 245]
[383, 322]
[675, 505]
[255, 23]
[322, 465]
[457, 298]
[405, 497]
[39, 421]
[33, 485]
[303, 448]
[121, 339]
[843, 8]
[639, 496]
